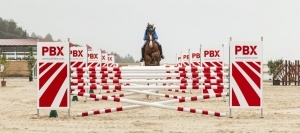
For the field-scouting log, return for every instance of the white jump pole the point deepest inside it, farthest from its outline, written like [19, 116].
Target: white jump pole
[152, 69]
[122, 87]
[179, 81]
[159, 104]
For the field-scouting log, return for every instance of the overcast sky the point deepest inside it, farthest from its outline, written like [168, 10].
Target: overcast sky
[119, 25]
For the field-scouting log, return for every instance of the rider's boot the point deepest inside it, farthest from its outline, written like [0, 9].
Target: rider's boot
[161, 52]
[143, 52]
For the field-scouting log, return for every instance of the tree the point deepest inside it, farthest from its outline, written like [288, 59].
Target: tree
[10, 30]
[24, 35]
[5, 64]
[117, 57]
[48, 37]
[275, 67]
[30, 63]
[11, 27]
[129, 59]
[33, 35]
[39, 37]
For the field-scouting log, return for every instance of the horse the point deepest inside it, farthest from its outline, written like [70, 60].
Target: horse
[152, 54]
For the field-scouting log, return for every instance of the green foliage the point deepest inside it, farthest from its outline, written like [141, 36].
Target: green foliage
[30, 61]
[3, 61]
[275, 67]
[10, 30]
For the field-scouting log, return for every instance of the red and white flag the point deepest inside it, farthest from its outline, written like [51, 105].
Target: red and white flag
[89, 48]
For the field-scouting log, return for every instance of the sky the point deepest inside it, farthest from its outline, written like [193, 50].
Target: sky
[118, 25]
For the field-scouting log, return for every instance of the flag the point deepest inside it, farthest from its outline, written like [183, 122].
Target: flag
[71, 44]
[103, 51]
[89, 48]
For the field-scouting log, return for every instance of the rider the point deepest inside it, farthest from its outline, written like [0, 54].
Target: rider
[156, 39]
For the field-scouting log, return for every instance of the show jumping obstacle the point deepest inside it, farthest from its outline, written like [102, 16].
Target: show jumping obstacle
[123, 80]
[155, 104]
[54, 73]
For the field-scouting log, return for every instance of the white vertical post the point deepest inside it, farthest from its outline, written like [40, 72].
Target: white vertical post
[223, 65]
[38, 111]
[176, 59]
[261, 109]
[106, 59]
[201, 90]
[200, 55]
[181, 58]
[69, 111]
[190, 62]
[87, 63]
[100, 57]
[15, 53]
[230, 39]
[101, 65]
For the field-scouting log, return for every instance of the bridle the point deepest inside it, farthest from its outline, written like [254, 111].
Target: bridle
[150, 36]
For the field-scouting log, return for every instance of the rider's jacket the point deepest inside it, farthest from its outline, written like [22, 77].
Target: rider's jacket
[155, 35]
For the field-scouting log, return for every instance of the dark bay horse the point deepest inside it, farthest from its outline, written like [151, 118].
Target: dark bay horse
[152, 54]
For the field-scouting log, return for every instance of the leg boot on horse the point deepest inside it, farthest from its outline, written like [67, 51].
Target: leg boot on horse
[143, 52]
[160, 50]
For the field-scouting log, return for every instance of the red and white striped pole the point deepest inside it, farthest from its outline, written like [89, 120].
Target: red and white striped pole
[154, 68]
[149, 75]
[176, 90]
[123, 87]
[179, 81]
[159, 104]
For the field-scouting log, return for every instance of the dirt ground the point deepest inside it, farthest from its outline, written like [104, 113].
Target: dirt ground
[281, 110]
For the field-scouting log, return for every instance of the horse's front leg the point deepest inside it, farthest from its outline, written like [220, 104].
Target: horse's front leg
[147, 60]
[156, 57]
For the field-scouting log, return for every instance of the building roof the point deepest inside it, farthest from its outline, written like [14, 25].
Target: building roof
[25, 42]
[21, 42]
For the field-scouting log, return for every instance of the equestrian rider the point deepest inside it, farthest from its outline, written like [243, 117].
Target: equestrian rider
[156, 39]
